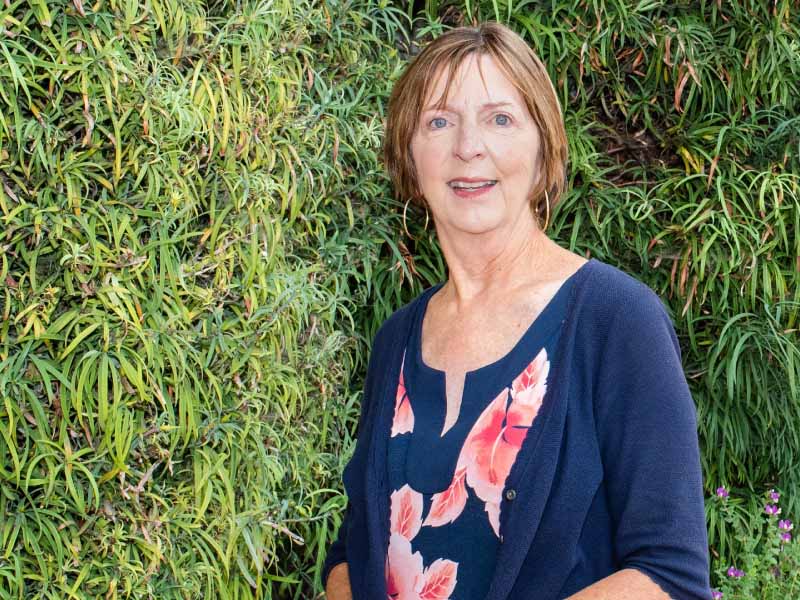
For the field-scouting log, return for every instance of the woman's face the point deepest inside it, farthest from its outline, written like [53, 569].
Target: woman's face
[485, 133]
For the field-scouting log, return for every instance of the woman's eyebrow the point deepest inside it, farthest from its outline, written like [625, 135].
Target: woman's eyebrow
[486, 106]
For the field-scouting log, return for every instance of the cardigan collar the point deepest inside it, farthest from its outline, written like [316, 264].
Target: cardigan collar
[534, 465]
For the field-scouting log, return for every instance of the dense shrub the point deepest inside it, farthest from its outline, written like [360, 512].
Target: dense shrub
[188, 227]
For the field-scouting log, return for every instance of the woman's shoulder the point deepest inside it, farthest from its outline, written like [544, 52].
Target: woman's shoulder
[613, 288]
[624, 329]
[613, 280]
[617, 302]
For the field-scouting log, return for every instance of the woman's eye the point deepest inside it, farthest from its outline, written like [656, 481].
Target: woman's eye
[439, 119]
[506, 117]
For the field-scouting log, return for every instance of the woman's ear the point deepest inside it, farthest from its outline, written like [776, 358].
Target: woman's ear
[540, 183]
[538, 186]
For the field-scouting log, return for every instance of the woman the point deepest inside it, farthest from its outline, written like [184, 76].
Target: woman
[527, 430]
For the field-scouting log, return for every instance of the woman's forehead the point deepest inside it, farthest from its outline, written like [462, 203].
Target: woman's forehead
[494, 88]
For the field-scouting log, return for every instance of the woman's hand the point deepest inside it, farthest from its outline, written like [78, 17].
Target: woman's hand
[338, 587]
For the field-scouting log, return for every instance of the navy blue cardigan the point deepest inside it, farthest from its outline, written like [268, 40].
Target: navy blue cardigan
[612, 482]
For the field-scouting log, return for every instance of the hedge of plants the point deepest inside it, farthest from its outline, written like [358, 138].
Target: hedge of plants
[198, 242]
[186, 192]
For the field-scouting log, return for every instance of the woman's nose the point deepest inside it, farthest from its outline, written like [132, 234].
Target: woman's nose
[469, 142]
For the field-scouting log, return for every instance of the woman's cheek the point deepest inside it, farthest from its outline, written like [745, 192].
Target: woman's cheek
[509, 154]
[435, 158]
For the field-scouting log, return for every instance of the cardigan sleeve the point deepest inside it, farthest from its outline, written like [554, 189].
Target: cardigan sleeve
[337, 552]
[647, 432]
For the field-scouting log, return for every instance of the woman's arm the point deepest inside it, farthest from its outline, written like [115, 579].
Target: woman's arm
[647, 435]
[338, 587]
[627, 584]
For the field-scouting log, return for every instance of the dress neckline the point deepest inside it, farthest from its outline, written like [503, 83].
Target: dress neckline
[533, 328]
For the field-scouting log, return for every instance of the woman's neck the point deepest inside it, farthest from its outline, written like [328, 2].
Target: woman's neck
[490, 264]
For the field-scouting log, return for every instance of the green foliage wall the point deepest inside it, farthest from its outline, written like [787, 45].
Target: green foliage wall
[185, 191]
[198, 243]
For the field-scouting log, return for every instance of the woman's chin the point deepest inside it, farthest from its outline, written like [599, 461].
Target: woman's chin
[475, 224]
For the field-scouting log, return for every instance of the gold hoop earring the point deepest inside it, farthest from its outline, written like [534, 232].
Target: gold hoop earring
[547, 206]
[405, 225]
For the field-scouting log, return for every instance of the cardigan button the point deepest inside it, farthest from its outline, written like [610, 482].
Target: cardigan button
[511, 494]
[501, 538]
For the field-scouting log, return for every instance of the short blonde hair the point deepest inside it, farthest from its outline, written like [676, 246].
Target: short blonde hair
[523, 68]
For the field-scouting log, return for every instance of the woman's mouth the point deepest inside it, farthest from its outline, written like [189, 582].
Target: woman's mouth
[465, 189]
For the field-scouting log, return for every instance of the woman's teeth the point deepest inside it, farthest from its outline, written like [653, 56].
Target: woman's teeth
[465, 186]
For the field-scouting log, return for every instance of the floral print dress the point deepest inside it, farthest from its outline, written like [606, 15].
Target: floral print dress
[446, 489]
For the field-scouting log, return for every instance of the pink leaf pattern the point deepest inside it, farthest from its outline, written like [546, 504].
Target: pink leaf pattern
[403, 421]
[406, 514]
[438, 580]
[447, 505]
[484, 463]
[403, 569]
[494, 441]
[405, 577]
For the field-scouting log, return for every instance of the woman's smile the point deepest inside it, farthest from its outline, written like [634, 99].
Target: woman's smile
[472, 189]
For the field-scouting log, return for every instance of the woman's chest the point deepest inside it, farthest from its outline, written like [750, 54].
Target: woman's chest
[458, 342]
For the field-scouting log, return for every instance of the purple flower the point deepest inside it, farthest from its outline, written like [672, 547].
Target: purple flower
[774, 496]
[786, 537]
[785, 525]
[734, 572]
[772, 509]
[722, 492]
[716, 595]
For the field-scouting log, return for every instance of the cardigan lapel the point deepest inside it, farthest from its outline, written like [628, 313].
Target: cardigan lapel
[377, 493]
[520, 519]
[534, 470]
